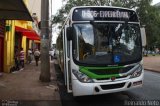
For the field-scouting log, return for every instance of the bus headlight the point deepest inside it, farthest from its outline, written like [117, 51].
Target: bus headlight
[82, 77]
[137, 72]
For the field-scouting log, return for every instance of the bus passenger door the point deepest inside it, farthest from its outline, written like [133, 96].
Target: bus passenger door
[67, 65]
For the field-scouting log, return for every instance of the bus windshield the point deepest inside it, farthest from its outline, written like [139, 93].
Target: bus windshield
[107, 43]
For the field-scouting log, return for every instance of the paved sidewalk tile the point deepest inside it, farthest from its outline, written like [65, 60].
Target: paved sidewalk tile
[25, 85]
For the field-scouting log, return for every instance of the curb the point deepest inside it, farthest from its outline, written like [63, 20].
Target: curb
[150, 69]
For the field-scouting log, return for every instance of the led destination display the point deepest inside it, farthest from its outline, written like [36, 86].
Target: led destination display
[104, 14]
[107, 14]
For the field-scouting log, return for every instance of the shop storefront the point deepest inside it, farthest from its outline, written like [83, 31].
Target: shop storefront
[31, 36]
[14, 12]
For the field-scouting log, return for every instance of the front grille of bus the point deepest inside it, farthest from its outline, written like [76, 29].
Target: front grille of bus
[99, 79]
[110, 71]
[112, 86]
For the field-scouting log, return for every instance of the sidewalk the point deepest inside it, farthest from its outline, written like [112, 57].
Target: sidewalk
[152, 63]
[25, 86]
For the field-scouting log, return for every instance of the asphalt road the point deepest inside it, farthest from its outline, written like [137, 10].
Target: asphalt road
[149, 94]
[150, 89]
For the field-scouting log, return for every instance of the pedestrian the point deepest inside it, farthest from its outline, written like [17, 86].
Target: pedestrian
[16, 58]
[21, 58]
[36, 56]
[29, 56]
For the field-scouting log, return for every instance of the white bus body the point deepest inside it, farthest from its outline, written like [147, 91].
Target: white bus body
[99, 50]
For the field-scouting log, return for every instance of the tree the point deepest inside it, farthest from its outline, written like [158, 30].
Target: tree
[126, 3]
[149, 16]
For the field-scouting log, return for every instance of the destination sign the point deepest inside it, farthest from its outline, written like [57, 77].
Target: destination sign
[101, 14]
[104, 14]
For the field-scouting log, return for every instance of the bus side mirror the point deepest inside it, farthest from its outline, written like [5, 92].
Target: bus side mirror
[143, 36]
[69, 33]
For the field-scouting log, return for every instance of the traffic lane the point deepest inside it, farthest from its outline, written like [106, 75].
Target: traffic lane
[150, 88]
[114, 99]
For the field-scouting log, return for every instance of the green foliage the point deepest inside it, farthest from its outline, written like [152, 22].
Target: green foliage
[126, 3]
[150, 17]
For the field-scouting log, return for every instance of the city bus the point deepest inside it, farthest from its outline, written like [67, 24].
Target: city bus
[99, 50]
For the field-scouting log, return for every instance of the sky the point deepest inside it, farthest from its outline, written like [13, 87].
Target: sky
[57, 4]
[155, 1]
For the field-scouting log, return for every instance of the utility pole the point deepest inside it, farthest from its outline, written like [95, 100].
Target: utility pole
[45, 61]
[50, 43]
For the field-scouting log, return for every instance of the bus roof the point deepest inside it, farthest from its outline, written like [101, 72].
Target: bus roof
[69, 17]
[102, 13]
[72, 9]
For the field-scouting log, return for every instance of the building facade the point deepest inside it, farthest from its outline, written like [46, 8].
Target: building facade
[18, 33]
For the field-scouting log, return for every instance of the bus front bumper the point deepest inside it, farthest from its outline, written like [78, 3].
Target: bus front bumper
[82, 89]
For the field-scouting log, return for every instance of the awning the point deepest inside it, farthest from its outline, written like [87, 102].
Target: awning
[30, 34]
[14, 10]
[37, 41]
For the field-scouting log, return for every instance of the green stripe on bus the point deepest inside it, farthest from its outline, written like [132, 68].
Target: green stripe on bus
[115, 67]
[86, 71]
